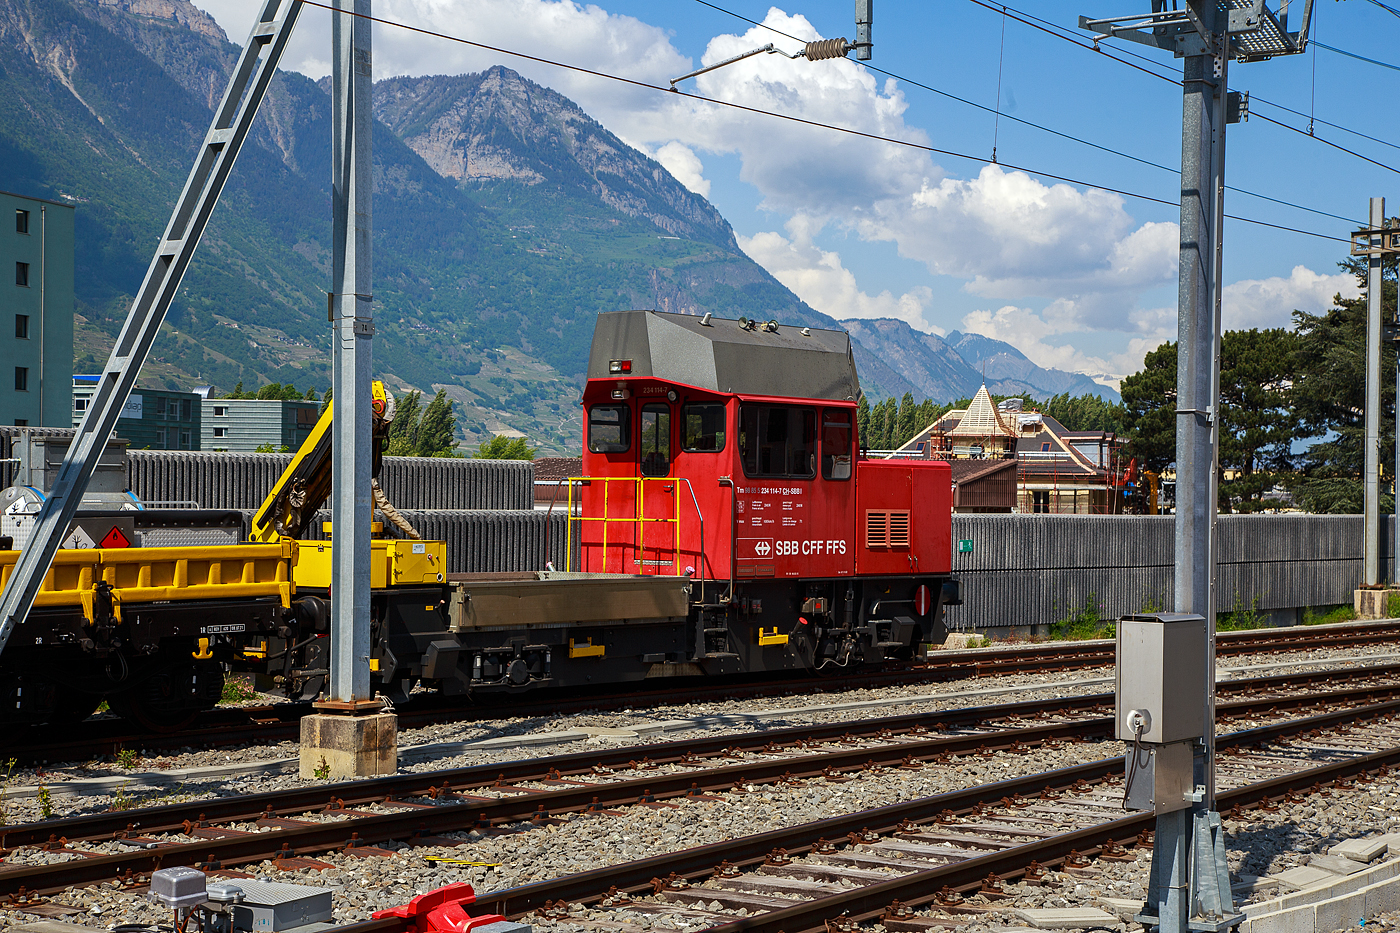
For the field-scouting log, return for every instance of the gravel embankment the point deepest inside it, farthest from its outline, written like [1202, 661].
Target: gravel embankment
[533, 853]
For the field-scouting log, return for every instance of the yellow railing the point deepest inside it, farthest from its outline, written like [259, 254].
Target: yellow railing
[638, 519]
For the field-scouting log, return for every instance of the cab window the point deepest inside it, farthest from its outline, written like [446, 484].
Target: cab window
[656, 440]
[702, 426]
[608, 429]
[836, 444]
[778, 440]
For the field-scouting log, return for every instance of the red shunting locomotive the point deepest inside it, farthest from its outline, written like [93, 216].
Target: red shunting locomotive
[727, 451]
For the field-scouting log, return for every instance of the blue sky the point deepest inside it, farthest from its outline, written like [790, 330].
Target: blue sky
[1074, 277]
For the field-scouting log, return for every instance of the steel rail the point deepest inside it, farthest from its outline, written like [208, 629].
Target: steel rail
[231, 726]
[919, 887]
[101, 826]
[300, 800]
[486, 813]
[321, 837]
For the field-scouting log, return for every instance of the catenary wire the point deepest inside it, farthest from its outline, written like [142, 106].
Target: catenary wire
[1360, 58]
[1045, 129]
[1327, 142]
[801, 120]
[1074, 40]
[1256, 99]
[1389, 9]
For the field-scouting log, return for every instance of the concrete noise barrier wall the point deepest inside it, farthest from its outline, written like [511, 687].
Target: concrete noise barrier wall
[1028, 570]
[243, 480]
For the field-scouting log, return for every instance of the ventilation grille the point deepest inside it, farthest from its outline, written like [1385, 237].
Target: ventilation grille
[888, 528]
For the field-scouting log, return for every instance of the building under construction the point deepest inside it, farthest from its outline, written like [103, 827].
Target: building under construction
[1057, 470]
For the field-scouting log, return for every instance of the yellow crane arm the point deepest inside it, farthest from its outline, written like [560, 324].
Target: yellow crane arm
[305, 484]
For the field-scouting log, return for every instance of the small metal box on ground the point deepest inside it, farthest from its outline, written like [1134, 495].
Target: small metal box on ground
[1161, 672]
[178, 888]
[270, 907]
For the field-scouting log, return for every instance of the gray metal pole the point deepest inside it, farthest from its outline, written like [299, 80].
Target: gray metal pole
[1198, 341]
[1371, 574]
[1212, 475]
[352, 332]
[1203, 120]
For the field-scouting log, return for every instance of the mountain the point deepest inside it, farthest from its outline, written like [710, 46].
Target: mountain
[505, 219]
[501, 134]
[489, 271]
[949, 368]
[1004, 363]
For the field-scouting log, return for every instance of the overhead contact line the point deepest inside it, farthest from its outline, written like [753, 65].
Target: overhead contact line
[814, 123]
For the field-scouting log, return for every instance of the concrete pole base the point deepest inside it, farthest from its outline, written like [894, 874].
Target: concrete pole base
[339, 746]
[1372, 604]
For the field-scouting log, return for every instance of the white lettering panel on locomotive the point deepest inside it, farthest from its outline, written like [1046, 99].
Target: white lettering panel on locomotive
[782, 531]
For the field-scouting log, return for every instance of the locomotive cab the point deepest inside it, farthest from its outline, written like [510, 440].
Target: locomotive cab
[727, 452]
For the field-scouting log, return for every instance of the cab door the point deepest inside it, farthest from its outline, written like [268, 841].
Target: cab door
[657, 512]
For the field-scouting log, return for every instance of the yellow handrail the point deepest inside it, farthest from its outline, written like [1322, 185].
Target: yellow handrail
[639, 518]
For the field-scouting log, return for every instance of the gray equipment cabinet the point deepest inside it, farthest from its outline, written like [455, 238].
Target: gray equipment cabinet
[1158, 707]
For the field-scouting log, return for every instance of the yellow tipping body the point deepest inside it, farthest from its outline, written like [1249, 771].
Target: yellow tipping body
[164, 574]
[392, 562]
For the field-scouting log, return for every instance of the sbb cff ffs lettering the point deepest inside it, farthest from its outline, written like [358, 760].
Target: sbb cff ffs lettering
[793, 548]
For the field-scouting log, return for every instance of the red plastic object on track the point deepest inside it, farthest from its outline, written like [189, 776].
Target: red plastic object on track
[441, 911]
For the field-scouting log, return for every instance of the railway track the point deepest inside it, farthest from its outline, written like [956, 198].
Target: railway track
[901, 862]
[281, 722]
[293, 828]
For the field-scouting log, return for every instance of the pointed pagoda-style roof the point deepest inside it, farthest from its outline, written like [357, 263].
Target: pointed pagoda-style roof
[982, 419]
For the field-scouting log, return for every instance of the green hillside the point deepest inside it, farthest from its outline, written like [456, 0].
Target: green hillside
[486, 289]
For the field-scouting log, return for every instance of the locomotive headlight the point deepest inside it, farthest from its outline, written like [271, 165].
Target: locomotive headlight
[671, 395]
[619, 367]
[621, 394]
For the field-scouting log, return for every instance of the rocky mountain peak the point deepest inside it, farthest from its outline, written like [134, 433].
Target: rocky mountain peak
[178, 12]
[500, 127]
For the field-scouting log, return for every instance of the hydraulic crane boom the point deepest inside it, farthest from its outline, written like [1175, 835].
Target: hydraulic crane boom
[305, 484]
[232, 120]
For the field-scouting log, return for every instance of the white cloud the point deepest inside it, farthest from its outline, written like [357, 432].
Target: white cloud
[818, 278]
[682, 162]
[1030, 332]
[797, 167]
[1078, 255]
[1013, 237]
[561, 30]
[1270, 302]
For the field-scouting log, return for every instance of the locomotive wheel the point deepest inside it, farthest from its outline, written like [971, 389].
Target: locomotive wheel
[172, 698]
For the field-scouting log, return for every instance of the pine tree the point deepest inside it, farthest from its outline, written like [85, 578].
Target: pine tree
[1257, 421]
[405, 428]
[436, 430]
[888, 423]
[1329, 396]
[905, 427]
[926, 415]
[1149, 409]
[863, 420]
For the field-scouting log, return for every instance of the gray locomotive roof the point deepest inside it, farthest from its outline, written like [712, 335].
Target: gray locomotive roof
[723, 357]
